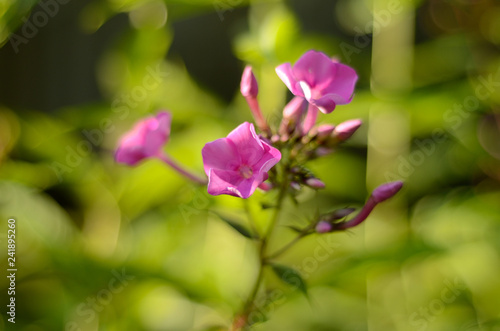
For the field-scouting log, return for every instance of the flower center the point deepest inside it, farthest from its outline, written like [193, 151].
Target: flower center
[246, 171]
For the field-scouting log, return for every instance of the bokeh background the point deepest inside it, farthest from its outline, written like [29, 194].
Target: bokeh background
[101, 246]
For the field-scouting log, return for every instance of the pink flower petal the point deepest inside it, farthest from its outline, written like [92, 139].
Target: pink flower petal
[224, 182]
[220, 154]
[231, 183]
[248, 186]
[249, 145]
[314, 68]
[343, 84]
[285, 72]
[158, 133]
[326, 104]
[271, 157]
[130, 156]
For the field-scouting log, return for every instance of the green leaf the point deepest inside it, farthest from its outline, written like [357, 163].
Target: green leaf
[237, 226]
[215, 328]
[295, 228]
[266, 205]
[294, 200]
[290, 276]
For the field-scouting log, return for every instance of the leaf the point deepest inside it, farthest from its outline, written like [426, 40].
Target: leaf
[238, 227]
[266, 205]
[294, 200]
[295, 228]
[215, 328]
[290, 276]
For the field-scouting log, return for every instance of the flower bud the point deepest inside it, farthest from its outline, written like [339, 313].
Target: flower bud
[380, 194]
[323, 227]
[292, 114]
[310, 118]
[249, 89]
[386, 191]
[323, 151]
[265, 186]
[295, 108]
[314, 183]
[323, 132]
[346, 129]
[248, 85]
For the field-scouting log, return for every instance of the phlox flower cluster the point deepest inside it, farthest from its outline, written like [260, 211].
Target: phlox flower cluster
[245, 159]
[270, 158]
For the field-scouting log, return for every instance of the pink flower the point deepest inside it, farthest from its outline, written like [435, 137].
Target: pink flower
[324, 82]
[238, 164]
[145, 140]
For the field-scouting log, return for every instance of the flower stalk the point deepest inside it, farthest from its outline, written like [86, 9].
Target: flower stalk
[241, 321]
[177, 167]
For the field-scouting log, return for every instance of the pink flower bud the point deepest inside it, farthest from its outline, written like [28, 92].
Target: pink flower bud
[324, 227]
[292, 115]
[346, 129]
[386, 191]
[265, 186]
[249, 89]
[295, 108]
[310, 118]
[380, 194]
[323, 151]
[314, 183]
[295, 186]
[323, 132]
[274, 139]
[248, 85]
[325, 129]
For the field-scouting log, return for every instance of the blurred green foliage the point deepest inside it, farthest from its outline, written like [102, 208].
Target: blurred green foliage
[428, 260]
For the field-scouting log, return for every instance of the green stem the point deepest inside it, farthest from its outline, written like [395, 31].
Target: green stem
[251, 220]
[241, 321]
[274, 219]
[287, 246]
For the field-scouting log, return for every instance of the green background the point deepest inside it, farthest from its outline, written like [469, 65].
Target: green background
[72, 74]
